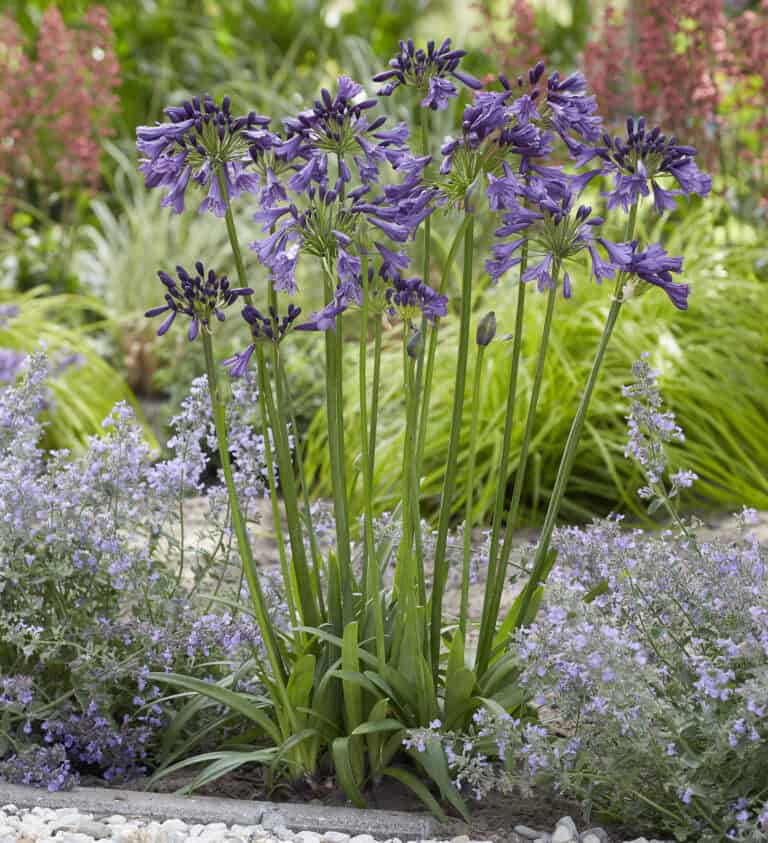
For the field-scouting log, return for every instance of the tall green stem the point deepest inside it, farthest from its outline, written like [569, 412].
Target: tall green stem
[449, 482]
[408, 571]
[234, 242]
[491, 599]
[569, 453]
[416, 503]
[238, 522]
[522, 463]
[372, 568]
[333, 399]
[375, 394]
[301, 577]
[469, 492]
[275, 417]
[432, 352]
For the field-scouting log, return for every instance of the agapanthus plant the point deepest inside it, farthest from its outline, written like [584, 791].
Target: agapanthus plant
[344, 194]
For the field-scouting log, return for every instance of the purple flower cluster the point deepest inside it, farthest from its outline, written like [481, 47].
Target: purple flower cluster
[555, 232]
[203, 142]
[198, 296]
[411, 297]
[40, 766]
[92, 740]
[639, 160]
[427, 71]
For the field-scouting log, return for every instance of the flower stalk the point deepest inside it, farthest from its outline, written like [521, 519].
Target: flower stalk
[569, 453]
[238, 522]
[449, 482]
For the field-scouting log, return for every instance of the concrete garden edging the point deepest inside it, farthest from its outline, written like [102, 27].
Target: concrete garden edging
[210, 809]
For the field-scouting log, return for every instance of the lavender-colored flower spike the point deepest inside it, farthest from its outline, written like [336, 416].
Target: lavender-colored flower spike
[197, 296]
[427, 71]
[201, 140]
[640, 159]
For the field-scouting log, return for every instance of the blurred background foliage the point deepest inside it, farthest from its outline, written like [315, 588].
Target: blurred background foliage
[80, 247]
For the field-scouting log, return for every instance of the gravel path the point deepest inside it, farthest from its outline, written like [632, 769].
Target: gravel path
[65, 825]
[68, 825]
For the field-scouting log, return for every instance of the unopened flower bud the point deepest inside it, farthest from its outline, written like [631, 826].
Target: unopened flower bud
[415, 345]
[486, 330]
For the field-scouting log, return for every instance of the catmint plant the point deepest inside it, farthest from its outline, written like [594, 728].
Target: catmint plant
[103, 582]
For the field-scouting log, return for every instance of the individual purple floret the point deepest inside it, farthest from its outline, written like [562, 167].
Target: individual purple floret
[640, 159]
[197, 296]
[410, 298]
[202, 141]
[654, 266]
[427, 70]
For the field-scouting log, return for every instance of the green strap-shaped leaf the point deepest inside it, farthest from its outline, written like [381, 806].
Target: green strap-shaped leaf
[350, 784]
[237, 702]
[419, 789]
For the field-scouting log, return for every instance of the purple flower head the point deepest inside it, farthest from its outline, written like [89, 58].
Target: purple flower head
[641, 159]
[339, 125]
[655, 267]
[201, 140]
[411, 297]
[555, 231]
[427, 71]
[198, 296]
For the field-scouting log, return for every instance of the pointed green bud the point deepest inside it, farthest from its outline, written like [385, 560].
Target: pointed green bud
[415, 345]
[486, 330]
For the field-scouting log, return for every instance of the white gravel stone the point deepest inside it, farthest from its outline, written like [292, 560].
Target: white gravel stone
[594, 835]
[336, 837]
[528, 833]
[307, 837]
[362, 838]
[565, 831]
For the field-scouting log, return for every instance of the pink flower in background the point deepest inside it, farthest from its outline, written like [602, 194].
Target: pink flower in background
[56, 103]
[605, 65]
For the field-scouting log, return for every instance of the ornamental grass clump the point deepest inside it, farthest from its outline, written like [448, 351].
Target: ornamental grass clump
[339, 197]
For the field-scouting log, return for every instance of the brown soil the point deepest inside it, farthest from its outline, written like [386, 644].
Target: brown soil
[491, 820]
